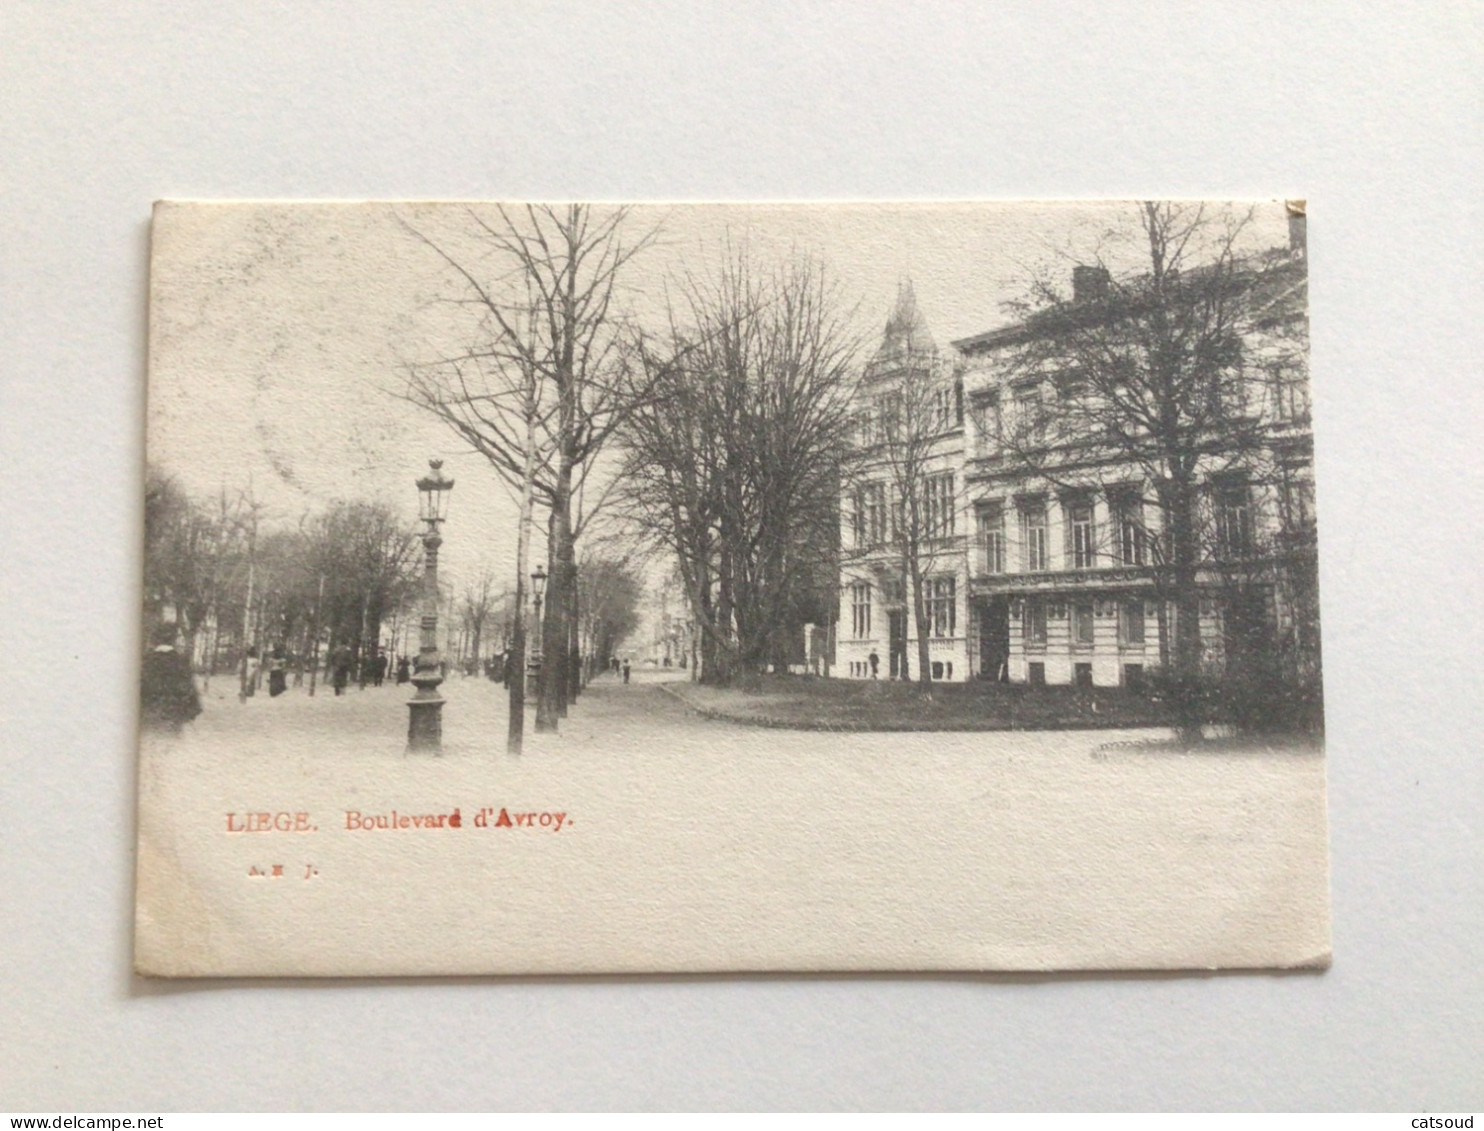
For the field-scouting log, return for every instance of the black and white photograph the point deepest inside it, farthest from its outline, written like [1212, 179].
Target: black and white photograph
[816, 586]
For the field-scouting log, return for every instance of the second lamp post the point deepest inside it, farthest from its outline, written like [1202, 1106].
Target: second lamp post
[533, 666]
[425, 708]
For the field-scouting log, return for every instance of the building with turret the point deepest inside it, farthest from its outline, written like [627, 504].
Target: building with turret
[904, 542]
[1068, 508]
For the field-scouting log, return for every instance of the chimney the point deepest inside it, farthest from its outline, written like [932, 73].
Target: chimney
[1298, 228]
[1089, 284]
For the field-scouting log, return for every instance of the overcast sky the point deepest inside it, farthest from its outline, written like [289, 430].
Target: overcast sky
[278, 331]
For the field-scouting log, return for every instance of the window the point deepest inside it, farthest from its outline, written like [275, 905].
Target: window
[1290, 394]
[1132, 623]
[1128, 522]
[1082, 624]
[1231, 394]
[988, 423]
[1233, 519]
[1072, 385]
[860, 610]
[873, 514]
[938, 508]
[888, 417]
[992, 538]
[948, 406]
[1033, 622]
[942, 605]
[1032, 421]
[1081, 550]
[1033, 536]
[1297, 499]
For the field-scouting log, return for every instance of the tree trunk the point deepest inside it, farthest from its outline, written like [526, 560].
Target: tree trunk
[515, 731]
[1186, 653]
[574, 639]
[550, 700]
[920, 617]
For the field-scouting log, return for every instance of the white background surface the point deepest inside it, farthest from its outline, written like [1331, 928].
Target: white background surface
[1371, 111]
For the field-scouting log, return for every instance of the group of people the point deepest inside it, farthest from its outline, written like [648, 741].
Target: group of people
[345, 668]
[169, 699]
[372, 668]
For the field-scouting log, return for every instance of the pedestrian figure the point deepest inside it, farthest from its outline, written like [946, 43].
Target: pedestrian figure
[379, 675]
[167, 693]
[341, 674]
[251, 687]
[875, 662]
[626, 671]
[404, 670]
[278, 664]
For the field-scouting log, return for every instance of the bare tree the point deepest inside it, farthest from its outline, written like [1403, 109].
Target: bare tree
[358, 565]
[537, 389]
[193, 550]
[609, 595]
[734, 460]
[476, 604]
[1153, 375]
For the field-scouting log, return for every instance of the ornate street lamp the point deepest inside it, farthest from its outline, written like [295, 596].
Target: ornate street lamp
[425, 708]
[538, 590]
[533, 654]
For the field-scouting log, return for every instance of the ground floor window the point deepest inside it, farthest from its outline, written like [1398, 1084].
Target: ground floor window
[942, 606]
[1133, 622]
[860, 610]
[1033, 622]
[1082, 624]
[992, 538]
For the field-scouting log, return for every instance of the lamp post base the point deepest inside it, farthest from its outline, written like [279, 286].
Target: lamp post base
[425, 722]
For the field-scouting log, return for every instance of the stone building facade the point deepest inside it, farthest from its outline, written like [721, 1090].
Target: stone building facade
[1055, 562]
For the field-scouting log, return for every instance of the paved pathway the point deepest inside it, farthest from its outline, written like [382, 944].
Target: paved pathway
[682, 834]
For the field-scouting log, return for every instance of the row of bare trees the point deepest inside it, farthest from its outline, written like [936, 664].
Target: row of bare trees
[331, 583]
[725, 437]
[719, 438]
[609, 592]
[733, 463]
[536, 381]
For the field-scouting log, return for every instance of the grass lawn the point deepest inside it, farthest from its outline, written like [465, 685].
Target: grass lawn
[814, 703]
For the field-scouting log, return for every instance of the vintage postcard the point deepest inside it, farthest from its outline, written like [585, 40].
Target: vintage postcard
[566, 588]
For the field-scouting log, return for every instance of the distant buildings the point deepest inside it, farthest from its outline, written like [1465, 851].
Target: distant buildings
[1044, 542]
